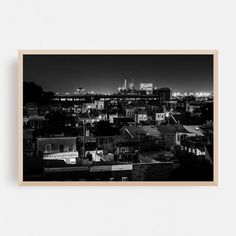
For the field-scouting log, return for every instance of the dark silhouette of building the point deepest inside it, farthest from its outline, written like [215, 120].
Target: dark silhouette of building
[162, 93]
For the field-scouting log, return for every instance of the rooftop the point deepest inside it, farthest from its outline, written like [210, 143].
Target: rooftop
[194, 129]
[172, 129]
[137, 103]
[123, 119]
[36, 117]
[134, 131]
[151, 130]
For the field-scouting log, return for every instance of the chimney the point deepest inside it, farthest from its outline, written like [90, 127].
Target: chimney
[125, 84]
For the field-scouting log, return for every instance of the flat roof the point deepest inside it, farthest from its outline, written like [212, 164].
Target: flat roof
[194, 129]
[172, 129]
[57, 137]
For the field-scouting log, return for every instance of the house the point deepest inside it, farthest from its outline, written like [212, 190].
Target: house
[141, 116]
[134, 132]
[57, 148]
[36, 121]
[31, 109]
[172, 134]
[181, 106]
[193, 107]
[168, 105]
[77, 109]
[160, 117]
[70, 120]
[55, 108]
[111, 117]
[28, 143]
[129, 112]
[99, 104]
[195, 145]
[43, 110]
[125, 144]
[137, 105]
[120, 121]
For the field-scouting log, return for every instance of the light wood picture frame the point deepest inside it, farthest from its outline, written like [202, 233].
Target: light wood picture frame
[127, 164]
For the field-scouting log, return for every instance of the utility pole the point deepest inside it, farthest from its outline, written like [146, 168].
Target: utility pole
[83, 156]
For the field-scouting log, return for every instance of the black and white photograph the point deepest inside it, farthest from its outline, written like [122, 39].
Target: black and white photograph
[117, 116]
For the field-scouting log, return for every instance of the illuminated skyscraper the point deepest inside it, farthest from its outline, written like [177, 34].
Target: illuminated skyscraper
[148, 87]
[125, 84]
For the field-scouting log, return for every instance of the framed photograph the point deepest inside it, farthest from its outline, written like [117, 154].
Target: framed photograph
[118, 117]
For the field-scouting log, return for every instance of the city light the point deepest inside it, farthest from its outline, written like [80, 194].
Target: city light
[196, 94]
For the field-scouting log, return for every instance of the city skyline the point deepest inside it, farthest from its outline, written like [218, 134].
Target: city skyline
[105, 73]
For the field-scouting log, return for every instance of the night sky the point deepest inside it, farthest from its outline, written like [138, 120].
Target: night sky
[105, 73]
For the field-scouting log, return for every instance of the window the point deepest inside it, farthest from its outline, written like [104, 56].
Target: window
[71, 148]
[48, 148]
[61, 148]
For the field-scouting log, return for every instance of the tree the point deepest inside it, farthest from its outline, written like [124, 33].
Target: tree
[32, 92]
[104, 128]
[56, 123]
[35, 94]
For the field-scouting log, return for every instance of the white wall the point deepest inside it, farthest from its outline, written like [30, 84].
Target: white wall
[106, 24]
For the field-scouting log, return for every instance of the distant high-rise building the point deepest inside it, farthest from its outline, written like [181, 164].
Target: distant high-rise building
[125, 84]
[131, 86]
[148, 87]
[80, 90]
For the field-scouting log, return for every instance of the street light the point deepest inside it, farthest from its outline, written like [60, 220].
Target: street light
[84, 136]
